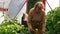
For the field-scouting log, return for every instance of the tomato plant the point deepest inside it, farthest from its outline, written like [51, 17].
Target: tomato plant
[12, 26]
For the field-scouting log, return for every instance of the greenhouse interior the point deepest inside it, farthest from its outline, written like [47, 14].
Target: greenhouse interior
[15, 16]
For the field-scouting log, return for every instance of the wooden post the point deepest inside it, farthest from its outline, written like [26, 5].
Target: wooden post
[36, 31]
[27, 6]
[3, 9]
[44, 1]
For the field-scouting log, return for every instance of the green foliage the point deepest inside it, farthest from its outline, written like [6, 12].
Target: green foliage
[31, 3]
[53, 21]
[12, 26]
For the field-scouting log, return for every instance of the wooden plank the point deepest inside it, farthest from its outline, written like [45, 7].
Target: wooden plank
[3, 9]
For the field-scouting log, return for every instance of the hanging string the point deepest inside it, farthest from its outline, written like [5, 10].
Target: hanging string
[49, 5]
[3, 7]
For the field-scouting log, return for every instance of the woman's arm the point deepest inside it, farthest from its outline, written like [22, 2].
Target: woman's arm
[29, 19]
[43, 22]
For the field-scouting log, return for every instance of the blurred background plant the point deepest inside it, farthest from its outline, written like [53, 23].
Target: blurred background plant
[53, 21]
